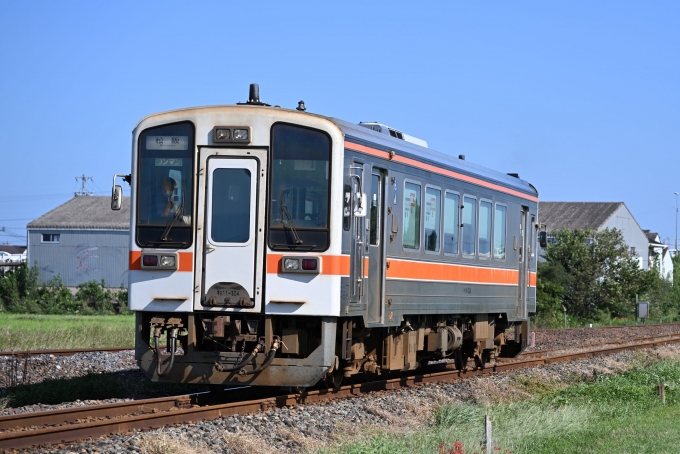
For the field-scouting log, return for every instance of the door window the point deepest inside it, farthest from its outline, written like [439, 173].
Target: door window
[230, 221]
[376, 197]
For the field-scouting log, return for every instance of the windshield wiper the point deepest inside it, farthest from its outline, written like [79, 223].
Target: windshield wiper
[178, 212]
[288, 224]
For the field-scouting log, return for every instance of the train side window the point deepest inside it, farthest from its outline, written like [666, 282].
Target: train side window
[499, 228]
[432, 225]
[451, 223]
[485, 228]
[411, 238]
[469, 225]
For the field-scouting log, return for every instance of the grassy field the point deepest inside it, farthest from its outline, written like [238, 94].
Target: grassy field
[620, 413]
[32, 332]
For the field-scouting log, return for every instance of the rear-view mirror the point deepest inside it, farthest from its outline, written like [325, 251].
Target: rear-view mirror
[116, 198]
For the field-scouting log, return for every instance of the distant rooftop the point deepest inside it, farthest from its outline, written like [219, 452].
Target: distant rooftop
[575, 215]
[12, 249]
[85, 212]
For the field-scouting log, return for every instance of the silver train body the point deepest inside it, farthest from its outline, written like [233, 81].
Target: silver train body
[276, 247]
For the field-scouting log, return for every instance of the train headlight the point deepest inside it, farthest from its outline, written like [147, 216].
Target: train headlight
[291, 264]
[168, 261]
[222, 134]
[240, 134]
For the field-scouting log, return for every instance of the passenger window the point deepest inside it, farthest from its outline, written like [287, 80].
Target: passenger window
[411, 239]
[432, 202]
[469, 225]
[484, 229]
[451, 223]
[499, 233]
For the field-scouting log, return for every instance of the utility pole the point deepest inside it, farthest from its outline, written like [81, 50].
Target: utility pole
[676, 224]
[83, 188]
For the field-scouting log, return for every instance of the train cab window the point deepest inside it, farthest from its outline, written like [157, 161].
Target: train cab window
[499, 223]
[484, 229]
[469, 225]
[411, 238]
[165, 170]
[299, 188]
[451, 223]
[432, 226]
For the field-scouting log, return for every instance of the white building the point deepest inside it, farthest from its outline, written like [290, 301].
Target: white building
[660, 255]
[597, 216]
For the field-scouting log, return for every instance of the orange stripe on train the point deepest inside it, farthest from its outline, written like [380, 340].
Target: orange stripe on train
[338, 265]
[439, 170]
[399, 269]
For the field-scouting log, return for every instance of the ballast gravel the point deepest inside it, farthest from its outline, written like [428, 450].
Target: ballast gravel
[304, 428]
[36, 369]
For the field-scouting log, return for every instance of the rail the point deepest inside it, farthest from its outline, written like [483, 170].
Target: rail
[67, 425]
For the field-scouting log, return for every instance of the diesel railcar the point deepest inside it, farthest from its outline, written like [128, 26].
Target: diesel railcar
[277, 247]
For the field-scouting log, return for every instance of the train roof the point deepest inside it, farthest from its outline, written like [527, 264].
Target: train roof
[366, 136]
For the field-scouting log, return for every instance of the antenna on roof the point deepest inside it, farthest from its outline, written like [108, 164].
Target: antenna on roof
[83, 188]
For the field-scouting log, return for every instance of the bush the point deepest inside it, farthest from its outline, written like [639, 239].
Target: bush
[21, 293]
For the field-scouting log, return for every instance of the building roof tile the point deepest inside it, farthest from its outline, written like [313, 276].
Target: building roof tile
[85, 212]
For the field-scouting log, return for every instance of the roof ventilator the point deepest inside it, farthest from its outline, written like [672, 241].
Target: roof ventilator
[384, 129]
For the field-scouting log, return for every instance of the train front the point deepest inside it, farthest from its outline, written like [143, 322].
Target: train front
[231, 270]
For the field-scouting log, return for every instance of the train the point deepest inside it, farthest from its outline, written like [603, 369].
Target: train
[279, 247]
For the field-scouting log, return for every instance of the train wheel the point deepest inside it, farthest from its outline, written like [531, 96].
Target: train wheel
[479, 363]
[460, 359]
[334, 379]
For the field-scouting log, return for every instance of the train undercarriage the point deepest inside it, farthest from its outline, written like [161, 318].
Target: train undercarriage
[301, 351]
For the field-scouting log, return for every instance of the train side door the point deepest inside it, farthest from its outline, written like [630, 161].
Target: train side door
[376, 249]
[524, 260]
[357, 213]
[231, 205]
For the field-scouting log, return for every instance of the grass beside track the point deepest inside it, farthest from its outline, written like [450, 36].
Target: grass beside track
[609, 413]
[33, 332]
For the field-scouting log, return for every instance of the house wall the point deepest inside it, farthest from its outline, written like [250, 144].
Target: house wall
[81, 256]
[633, 235]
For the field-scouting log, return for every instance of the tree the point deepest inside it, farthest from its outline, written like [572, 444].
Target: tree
[596, 271]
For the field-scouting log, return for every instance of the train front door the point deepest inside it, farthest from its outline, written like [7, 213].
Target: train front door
[375, 244]
[232, 191]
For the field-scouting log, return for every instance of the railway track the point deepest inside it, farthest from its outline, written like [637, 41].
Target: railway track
[608, 327]
[72, 424]
[62, 352]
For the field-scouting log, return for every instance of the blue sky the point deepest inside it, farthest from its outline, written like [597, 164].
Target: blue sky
[581, 98]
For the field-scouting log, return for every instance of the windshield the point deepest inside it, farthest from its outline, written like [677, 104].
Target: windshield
[299, 190]
[165, 185]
